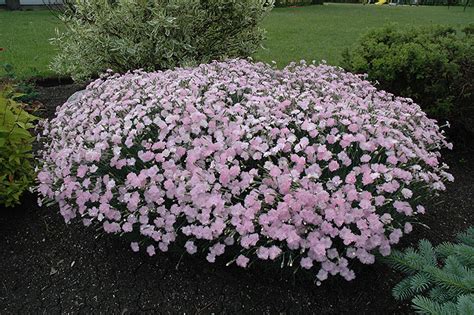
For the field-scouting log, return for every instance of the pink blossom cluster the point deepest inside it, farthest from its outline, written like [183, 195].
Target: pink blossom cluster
[308, 165]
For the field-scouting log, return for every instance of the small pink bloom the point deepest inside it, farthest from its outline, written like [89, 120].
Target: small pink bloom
[306, 263]
[333, 166]
[151, 250]
[134, 246]
[242, 261]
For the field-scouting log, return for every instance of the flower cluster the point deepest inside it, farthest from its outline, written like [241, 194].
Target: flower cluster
[309, 165]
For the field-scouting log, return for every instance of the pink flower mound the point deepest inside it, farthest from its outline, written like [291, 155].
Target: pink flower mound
[309, 164]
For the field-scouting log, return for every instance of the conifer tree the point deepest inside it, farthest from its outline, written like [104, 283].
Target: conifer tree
[440, 280]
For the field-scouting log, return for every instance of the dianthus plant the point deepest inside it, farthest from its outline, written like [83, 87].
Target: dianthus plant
[309, 165]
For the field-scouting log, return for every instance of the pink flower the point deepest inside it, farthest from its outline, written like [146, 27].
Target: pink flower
[306, 263]
[224, 177]
[150, 250]
[44, 177]
[365, 204]
[365, 158]
[242, 261]
[322, 275]
[285, 184]
[275, 171]
[82, 170]
[127, 227]
[146, 156]
[134, 246]
[420, 209]
[392, 160]
[395, 236]
[190, 247]
[407, 193]
[408, 228]
[262, 253]
[333, 166]
[153, 153]
[350, 178]
[274, 252]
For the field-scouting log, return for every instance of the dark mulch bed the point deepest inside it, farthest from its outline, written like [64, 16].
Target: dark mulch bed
[48, 267]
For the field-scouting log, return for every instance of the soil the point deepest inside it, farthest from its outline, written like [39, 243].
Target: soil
[49, 267]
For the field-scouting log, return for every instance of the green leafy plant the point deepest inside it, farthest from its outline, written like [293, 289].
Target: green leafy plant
[432, 65]
[25, 91]
[16, 169]
[124, 35]
[440, 279]
[9, 73]
[469, 30]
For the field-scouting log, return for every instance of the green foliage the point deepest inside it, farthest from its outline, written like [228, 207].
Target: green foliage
[124, 35]
[432, 65]
[26, 90]
[16, 169]
[469, 29]
[440, 280]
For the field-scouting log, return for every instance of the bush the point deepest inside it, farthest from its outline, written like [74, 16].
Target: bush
[440, 279]
[16, 170]
[434, 66]
[308, 165]
[125, 35]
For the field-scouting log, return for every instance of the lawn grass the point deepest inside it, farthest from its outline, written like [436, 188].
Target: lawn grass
[24, 36]
[322, 32]
[311, 32]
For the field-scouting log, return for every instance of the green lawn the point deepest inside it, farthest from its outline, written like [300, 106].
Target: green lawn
[311, 32]
[322, 32]
[24, 36]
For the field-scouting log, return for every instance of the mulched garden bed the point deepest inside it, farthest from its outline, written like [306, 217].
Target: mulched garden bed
[49, 267]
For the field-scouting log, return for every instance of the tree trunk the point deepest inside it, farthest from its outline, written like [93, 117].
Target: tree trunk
[13, 4]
